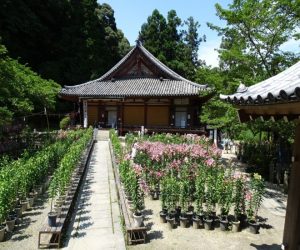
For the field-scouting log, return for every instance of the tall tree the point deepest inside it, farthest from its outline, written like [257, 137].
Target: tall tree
[22, 91]
[249, 51]
[192, 39]
[253, 35]
[70, 41]
[174, 47]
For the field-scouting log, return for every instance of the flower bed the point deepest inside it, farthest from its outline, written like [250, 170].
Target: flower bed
[186, 173]
[23, 178]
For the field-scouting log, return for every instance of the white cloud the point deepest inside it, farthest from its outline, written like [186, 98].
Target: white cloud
[207, 52]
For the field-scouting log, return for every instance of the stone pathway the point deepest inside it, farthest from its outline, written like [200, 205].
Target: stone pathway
[96, 222]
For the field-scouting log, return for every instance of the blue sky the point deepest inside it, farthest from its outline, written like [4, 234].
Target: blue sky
[131, 14]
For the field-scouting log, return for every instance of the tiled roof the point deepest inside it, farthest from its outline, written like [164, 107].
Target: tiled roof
[134, 87]
[109, 86]
[283, 87]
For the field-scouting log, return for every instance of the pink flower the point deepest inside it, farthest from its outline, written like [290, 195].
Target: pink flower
[138, 169]
[144, 186]
[127, 157]
[159, 174]
[248, 196]
[210, 162]
[237, 175]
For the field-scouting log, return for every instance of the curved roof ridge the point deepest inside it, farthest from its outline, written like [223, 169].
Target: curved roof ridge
[165, 67]
[286, 81]
[108, 72]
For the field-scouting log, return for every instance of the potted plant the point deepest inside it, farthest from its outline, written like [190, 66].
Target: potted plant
[238, 200]
[225, 202]
[137, 198]
[171, 190]
[208, 217]
[2, 232]
[3, 207]
[183, 201]
[53, 189]
[210, 194]
[254, 199]
[163, 199]
[199, 195]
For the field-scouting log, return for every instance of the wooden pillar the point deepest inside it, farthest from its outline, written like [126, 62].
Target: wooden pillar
[85, 114]
[172, 114]
[145, 114]
[120, 117]
[291, 235]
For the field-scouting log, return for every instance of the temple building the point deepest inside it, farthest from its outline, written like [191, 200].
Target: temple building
[277, 98]
[140, 91]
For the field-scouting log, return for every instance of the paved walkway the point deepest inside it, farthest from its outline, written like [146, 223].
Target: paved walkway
[96, 222]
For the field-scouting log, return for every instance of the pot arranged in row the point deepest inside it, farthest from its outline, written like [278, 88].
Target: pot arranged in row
[208, 222]
[65, 176]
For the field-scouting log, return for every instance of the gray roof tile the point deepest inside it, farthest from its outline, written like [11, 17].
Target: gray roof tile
[134, 87]
[174, 85]
[282, 87]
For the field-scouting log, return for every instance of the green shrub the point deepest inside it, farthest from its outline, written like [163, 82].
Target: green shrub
[65, 122]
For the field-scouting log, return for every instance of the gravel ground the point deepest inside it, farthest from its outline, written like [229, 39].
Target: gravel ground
[272, 212]
[160, 237]
[272, 215]
[25, 234]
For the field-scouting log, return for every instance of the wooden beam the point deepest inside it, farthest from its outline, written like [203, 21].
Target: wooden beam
[292, 108]
[291, 239]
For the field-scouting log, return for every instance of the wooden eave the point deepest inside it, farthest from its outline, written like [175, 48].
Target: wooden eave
[288, 111]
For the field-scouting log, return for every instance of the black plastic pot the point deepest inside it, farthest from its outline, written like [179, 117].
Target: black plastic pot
[170, 222]
[223, 223]
[197, 222]
[52, 216]
[243, 219]
[10, 223]
[236, 226]
[178, 213]
[253, 227]
[172, 214]
[189, 215]
[2, 233]
[208, 223]
[162, 216]
[216, 223]
[184, 222]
